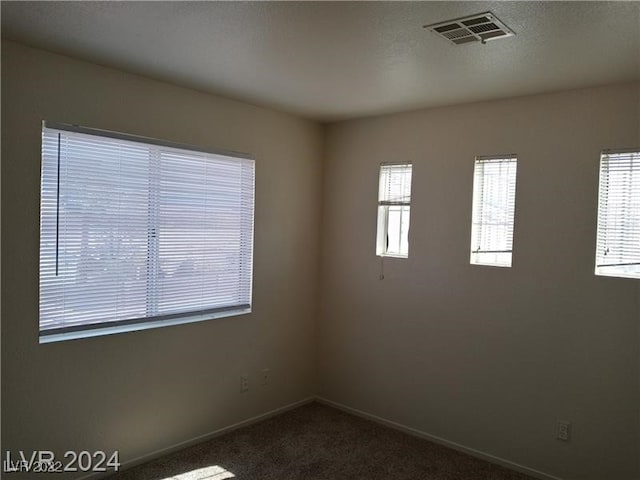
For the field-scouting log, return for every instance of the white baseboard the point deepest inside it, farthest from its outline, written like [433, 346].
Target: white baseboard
[354, 411]
[201, 438]
[456, 446]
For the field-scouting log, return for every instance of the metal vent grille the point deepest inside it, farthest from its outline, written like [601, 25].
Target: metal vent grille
[481, 27]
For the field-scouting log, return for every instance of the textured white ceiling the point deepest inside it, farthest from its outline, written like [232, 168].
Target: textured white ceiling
[335, 60]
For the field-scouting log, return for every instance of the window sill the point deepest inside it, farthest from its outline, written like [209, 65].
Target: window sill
[614, 274]
[134, 327]
[498, 265]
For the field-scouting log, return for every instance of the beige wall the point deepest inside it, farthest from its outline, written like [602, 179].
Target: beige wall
[139, 392]
[489, 358]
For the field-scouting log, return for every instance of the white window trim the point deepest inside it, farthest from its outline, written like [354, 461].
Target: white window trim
[601, 269]
[511, 157]
[144, 323]
[383, 221]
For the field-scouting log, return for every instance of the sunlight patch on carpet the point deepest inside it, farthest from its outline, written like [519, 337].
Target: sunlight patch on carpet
[214, 472]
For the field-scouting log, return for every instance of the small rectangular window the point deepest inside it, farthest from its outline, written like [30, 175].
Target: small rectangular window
[618, 239]
[494, 200]
[394, 208]
[135, 233]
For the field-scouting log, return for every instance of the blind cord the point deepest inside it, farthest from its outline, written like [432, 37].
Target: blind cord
[58, 207]
[381, 267]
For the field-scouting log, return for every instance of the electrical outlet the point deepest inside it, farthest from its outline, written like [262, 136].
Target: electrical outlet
[244, 383]
[265, 376]
[563, 431]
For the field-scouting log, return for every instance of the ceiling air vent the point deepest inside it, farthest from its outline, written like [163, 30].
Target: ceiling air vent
[481, 27]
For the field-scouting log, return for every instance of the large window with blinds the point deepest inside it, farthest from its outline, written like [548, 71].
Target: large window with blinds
[394, 208]
[494, 200]
[618, 238]
[137, 233]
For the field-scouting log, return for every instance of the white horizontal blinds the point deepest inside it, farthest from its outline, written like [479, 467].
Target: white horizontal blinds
[618, 239]
[395, 184]
[132, 231]
[205, 220]
[94, 230]
[394, 208]
[494, 196]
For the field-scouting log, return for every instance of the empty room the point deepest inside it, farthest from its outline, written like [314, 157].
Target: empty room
[320, 240]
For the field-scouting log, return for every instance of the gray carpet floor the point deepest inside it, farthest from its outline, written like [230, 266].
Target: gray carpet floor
[317, 442]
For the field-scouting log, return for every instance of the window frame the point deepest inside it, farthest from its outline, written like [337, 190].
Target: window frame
[382, 229]
[477, 209]
[603, 198]
[168, 319]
